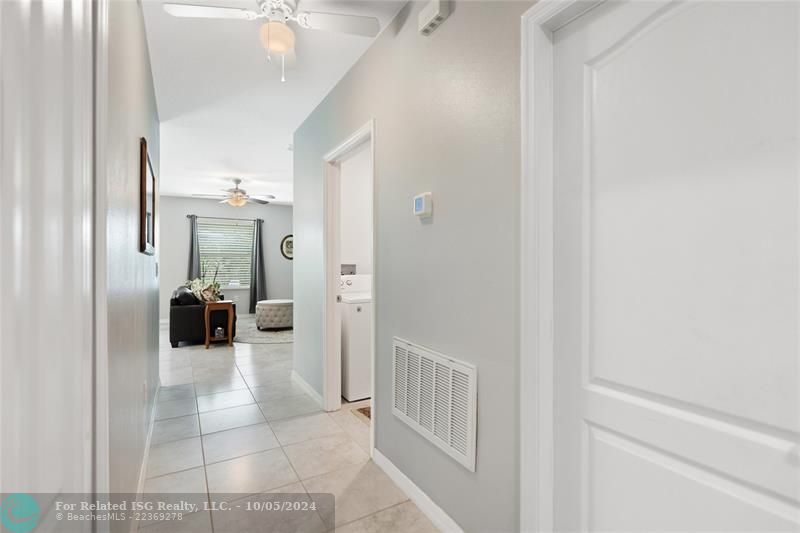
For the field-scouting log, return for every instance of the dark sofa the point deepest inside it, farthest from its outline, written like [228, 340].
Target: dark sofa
[187, 319]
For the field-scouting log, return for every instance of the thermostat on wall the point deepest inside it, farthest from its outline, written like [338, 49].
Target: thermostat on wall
[423, 205]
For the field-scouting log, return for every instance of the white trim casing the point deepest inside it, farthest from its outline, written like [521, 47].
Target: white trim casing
[536, 258]
[435, 514]
[102, 479]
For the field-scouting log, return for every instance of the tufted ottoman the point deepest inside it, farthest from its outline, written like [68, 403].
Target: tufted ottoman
[274, 314]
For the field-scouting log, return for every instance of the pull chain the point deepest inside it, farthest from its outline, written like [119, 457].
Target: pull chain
[283, 67]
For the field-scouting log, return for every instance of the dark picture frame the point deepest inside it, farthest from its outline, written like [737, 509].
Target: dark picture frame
[287, 247]
[147, 201]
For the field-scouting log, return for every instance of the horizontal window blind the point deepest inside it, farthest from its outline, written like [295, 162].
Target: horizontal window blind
[229, 244]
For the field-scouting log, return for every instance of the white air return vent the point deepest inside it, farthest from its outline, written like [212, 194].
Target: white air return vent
[437, 396]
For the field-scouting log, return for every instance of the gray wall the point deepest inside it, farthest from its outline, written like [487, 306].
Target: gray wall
[174, 249]
[447, 120]
[132, 283]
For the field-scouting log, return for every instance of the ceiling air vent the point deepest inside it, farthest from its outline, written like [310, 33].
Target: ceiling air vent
[432, 16]
[437, 396]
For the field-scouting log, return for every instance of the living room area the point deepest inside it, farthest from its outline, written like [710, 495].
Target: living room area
[211, 251]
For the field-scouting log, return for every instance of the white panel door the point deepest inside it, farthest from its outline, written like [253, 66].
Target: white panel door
[677, 370]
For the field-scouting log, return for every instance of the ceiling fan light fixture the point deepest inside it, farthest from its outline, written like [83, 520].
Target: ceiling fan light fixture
[237, 200]
[277, 37]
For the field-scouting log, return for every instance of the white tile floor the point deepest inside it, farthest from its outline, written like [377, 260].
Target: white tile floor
[230, 420]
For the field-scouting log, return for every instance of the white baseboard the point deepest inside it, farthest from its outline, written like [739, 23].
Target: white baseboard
[146, 456]
[428, 507]
[303, 384]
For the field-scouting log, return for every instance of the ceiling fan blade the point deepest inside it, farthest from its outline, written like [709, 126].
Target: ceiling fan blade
[208, 12]
[264, 196]
[354, 24]
[256, 201]
[214, 196]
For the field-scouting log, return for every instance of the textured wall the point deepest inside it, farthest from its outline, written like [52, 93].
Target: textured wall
[447, 120]
[174, 254]
[132, 285]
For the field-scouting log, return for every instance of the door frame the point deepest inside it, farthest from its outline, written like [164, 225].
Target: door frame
[101, 455]
[331, 328]
[536, 257]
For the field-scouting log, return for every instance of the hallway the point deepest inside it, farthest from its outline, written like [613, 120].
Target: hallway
[230, 420]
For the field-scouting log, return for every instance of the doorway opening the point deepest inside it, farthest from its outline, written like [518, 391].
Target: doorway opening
[349, 323]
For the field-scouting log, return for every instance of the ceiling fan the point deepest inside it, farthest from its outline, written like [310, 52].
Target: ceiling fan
[276, 34]
[237, 197]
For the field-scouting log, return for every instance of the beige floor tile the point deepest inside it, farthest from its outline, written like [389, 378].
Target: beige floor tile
[320, 456]
[223, 400]
[268, 352]
[276, 391]
[174, 456]
[176, 377]
[359, 491]
[175, 408]
[215, 374]
[189, 523]
[267, 377]
[203, 388]
[304, 521]
[256, 367]
[353, 426]
[233, 443]
[187, 481]
[301, 404]
[176, 392]
[186, 486]
[403, 518]
[259, 349]
[249, 474]
[234, 417]
[174, 364]
[298, 429]
[252, 363]
[182, 427]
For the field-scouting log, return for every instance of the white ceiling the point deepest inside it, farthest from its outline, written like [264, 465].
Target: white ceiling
[223, 109]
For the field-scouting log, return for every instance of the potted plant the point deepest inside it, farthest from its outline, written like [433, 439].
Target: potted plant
[203, 289]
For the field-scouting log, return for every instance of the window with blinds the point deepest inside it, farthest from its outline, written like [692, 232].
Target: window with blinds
[229, 244]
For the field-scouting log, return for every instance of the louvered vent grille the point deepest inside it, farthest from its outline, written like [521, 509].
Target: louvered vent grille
[400, 372]
[437, 396]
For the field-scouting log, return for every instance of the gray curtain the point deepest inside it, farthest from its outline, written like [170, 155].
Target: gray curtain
[258, 277]
[194, 249]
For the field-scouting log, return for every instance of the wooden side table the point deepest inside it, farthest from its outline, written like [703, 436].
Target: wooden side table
[222, 305]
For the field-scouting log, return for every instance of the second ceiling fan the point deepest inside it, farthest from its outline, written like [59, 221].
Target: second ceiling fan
[237, 197]
[277, 37]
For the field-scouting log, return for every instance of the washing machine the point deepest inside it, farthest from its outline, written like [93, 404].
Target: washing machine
[356, 313]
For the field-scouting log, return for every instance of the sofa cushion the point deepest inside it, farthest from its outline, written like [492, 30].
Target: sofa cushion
[184, 296]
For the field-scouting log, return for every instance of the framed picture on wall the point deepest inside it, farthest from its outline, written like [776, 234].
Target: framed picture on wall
[147, 201]
[287, 247]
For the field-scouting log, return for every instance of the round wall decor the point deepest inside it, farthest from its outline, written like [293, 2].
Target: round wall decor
[287, 247]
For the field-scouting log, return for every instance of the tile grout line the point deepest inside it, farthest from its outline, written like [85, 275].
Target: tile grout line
[343, 430]
[370, 514]
[280, 444]
[203, 453]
